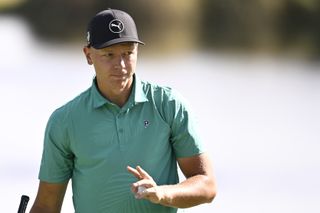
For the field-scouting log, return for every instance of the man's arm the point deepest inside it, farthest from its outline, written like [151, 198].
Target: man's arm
[199, 186]
[49, 198]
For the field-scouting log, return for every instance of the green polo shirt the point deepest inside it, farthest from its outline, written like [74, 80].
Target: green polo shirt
[91, 141]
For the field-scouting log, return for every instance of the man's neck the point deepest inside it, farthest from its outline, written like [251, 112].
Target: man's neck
[121, 99]
[118, 97]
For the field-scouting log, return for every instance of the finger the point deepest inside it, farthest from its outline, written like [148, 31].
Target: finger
[134, 172]
[141, 193]
[146, 193]
[144, 182]
[143, 173]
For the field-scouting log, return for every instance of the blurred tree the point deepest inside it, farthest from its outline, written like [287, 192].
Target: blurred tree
[7, 4]
[299, 27]
[237, 24]
[282, 25]
[255, 25]
[170, 24]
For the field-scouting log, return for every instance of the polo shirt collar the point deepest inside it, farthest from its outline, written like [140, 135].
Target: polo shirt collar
[138, 93]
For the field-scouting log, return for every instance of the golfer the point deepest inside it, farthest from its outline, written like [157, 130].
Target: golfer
[121, 141]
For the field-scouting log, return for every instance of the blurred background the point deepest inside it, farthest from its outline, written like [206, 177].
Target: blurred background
[250, 69]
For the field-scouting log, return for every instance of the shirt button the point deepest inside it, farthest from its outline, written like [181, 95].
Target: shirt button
[120, 130]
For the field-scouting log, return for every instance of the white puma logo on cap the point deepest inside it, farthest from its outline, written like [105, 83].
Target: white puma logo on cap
[116, 26]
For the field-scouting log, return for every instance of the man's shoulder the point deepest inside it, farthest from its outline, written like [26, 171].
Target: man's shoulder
[157, 90]
[164, 94]
[73, 105]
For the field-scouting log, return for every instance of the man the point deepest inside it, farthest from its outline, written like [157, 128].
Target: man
[120, 140]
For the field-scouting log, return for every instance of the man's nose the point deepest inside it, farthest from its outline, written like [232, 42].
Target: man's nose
[120, 62]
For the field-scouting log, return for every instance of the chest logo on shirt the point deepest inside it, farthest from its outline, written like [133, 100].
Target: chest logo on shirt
[146, 123]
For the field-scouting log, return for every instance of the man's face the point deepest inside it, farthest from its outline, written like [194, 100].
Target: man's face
[114, 65]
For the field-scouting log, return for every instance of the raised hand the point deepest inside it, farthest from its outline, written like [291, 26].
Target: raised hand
[145, 187]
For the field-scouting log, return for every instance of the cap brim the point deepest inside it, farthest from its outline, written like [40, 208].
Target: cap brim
[117, 41]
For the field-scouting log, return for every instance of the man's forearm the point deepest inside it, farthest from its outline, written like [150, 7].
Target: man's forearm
[38, 209]
[191, 192]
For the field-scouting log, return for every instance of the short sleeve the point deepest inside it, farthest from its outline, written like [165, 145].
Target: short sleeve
[57, 158]
[185, 139]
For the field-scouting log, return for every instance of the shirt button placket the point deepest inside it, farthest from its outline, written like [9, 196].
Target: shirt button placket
[120, 130]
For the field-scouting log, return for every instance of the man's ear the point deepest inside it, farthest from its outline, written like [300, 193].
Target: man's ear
[86, 51]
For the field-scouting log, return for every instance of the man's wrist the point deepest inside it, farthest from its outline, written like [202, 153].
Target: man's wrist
[165, 197]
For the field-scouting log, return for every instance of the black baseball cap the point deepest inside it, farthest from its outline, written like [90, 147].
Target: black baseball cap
[110, 27]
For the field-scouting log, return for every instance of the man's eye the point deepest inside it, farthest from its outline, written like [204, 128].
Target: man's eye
[108, 55]
[129, 53]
